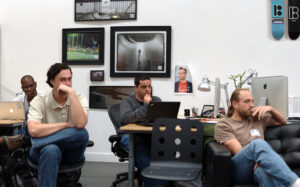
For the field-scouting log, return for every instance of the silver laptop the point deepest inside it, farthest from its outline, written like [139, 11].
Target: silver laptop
[12, 110]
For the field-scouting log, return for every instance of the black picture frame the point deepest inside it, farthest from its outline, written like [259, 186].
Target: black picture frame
[140, 50]
[102, 97]
[103, 10]
[97, 75]
[83, 46]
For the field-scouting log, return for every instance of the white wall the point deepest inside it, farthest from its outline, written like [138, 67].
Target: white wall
[215, 38]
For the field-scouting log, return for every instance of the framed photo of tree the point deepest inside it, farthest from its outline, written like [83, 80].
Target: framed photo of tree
[140, 50]
[83, 46]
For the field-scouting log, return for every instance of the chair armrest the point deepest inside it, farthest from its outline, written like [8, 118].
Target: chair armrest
[90, 143]
[114, 138]
[218, 166]
[117, 148]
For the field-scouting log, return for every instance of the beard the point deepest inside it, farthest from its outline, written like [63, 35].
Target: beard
[244, 114]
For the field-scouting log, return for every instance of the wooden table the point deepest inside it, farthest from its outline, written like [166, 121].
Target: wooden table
[133, 129]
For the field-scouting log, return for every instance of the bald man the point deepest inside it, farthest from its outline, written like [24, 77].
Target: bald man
[30, 91]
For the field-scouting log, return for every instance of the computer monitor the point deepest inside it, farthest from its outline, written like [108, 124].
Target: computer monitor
[217, 97]
[271, 91]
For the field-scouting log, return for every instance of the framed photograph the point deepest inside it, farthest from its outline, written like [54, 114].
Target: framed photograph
[101, 10]
[83, 46]
[140, 50]
[97, 75]
[103, 97]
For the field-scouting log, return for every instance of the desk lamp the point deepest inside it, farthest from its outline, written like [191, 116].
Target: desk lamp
[205, 87]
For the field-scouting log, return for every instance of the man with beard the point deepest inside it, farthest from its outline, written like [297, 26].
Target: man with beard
[242, 132]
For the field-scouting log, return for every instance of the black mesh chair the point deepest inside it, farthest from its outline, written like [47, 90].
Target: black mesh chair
[176, 150]
[68, 173]
[116, 148]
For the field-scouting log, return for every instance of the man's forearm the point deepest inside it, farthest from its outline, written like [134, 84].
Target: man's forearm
[79, 117]
[38, 130]
[127, 115]
[278, 117]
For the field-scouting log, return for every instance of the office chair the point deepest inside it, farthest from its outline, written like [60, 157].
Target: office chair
[67, 174]
[116, 148]
[176, 150]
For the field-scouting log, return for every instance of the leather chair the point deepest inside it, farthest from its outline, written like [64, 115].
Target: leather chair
[285, 140]
[116, 148]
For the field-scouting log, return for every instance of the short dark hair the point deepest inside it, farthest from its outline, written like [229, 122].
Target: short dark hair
[27, 77]
[54, 70]
[182, 68]
[139, 78]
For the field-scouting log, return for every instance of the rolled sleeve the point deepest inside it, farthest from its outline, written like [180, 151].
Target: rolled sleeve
[223, 132]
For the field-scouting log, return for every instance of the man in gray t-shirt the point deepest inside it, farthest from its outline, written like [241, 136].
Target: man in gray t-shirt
[134, 109]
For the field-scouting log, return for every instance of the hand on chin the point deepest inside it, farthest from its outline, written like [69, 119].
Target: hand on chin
[61, 93]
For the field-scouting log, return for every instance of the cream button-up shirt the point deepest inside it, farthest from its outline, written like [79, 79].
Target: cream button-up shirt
[44, 109]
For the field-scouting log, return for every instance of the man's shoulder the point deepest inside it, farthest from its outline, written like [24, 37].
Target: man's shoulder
[19, 97]
[81, 96]
[156, 99]
[128, 98]
[40, 98]
[40, 92]
[224, 122]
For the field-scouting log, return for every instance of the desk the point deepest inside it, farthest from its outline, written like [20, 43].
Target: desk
[14, 124]
[131, 129]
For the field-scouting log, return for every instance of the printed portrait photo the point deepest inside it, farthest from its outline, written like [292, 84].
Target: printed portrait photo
[183, 80]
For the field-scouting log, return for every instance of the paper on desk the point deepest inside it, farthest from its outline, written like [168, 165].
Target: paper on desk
[294, 106]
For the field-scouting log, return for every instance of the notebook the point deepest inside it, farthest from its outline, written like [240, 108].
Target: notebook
[11, 112]
[160, 110]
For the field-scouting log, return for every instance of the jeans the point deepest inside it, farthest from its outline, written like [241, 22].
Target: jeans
[66, 146]
[142, 154]
[272, 170]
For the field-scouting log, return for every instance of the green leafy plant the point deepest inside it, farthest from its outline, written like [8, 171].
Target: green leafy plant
[237, 79]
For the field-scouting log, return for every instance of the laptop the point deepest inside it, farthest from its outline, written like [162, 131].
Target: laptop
[12, 112]
[160, 110]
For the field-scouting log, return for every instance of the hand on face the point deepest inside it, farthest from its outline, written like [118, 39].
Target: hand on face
[260, 111]
[64, 89]
[147, 98]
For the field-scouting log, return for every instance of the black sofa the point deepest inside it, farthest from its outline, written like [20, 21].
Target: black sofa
[285, 140]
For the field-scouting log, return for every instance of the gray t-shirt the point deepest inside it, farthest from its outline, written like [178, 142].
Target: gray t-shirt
[132, 110]
[244, 131]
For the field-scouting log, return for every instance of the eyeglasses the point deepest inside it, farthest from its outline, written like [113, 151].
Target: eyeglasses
[27, 87]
